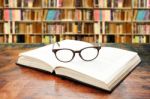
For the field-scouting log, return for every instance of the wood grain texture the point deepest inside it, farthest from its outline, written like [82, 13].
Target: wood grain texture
[18, 82]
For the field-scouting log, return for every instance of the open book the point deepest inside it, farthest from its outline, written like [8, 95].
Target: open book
[106, 71]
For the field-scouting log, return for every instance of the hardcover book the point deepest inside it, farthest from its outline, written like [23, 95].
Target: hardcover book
[105, 71]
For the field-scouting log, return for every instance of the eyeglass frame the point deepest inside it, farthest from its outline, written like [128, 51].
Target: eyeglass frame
[74, 52]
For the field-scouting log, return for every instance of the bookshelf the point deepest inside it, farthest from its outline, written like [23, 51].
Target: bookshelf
[46, 21]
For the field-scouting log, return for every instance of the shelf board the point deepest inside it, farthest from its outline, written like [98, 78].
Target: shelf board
[141, 8]
[137, 34]
[112, 8]
[2, 34]
[119, 34]
[68, 8]
[59, 8]
[25, 8]
[72, 21]
[31, 34]
[142, 21]
[88, 8]
[118, 21]
[1, 21]
[71, 34]
[41, 8]
[18, 34]
[50, 34]
[68, 21]
[79, 34]
[29, 21]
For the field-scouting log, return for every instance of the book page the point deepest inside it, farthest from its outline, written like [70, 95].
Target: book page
[105, 67]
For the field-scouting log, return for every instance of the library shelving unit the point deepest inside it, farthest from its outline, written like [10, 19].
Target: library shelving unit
[47, 21]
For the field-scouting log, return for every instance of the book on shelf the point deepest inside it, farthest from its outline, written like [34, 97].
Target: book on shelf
[141, 14]
[1, 28]
[104, 72]
[68, 3]
[96, 3]
[97, 28]
[52, 14]
[7, 29]
[88, 3]
[1, 39]
[120, 3]
[78, 3]
[127, 3]
[78, 15]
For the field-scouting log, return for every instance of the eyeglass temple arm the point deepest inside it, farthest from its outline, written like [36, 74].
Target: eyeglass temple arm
[54, 45]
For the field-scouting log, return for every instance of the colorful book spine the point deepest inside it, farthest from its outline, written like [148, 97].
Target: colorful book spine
[11, 3]
[7, 28]
[147, 15]
[120, 3]
[56, 16]
[59, 3]
[148, 3]
[101, 3]
[6, 15]
[51, 14]
[141, 14]
[96, 15]
[101, 15]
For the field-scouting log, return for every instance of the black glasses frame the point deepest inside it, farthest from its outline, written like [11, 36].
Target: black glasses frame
[74, 52]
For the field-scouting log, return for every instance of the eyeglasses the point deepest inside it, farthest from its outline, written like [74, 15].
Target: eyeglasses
[67, 55]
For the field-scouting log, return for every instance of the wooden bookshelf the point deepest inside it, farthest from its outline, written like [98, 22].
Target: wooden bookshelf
[103, 21]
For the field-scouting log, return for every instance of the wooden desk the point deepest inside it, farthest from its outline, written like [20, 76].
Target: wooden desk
[18, 82]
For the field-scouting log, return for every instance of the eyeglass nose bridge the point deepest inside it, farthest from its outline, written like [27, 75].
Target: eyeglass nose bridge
[77, 51]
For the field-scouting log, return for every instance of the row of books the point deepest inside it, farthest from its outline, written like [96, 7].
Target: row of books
[141, 3]
[50, 39]
[108, 15]
[28, 28]
[75, 3]
[112, 28]
[74, 27]
[121, 28]
[112, 3]
[53, 28]
[141, 29]
[17, 15]
[41, 39]
[22, 3]
[126, 39]
[47, 3]
[96, 15]
[115, 38]
[141, 15]
[117, 15]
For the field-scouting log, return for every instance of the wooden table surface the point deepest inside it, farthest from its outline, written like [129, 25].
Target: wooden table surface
[17, 82]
